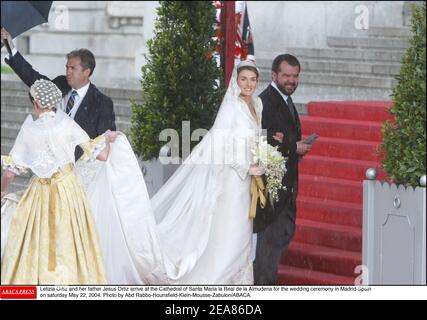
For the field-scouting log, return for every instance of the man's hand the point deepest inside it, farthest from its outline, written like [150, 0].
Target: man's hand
[302, 148]
[6, 36]
[278, 136]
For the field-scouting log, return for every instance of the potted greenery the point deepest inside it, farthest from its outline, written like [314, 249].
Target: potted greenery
[394, 214]
[179, 82]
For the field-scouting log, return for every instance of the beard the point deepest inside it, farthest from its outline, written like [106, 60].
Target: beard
[287, 91]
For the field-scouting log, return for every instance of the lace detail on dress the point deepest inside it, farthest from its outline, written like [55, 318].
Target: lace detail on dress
[8, 164]
[44, 160]
[245, 276]
[93, 148]
[87, 171]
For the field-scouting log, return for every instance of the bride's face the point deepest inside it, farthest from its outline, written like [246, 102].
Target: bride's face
[247, 80]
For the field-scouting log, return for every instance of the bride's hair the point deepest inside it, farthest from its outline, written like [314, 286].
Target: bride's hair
[250, 68]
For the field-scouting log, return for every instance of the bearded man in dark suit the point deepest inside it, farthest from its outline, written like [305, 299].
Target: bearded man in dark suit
[280, 119]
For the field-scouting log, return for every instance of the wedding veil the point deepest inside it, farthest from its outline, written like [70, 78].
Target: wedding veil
[184, 206]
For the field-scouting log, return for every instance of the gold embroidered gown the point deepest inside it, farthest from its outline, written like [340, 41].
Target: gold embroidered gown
[52, 237]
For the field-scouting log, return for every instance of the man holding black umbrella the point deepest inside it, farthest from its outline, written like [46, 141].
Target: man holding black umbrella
[82, 101]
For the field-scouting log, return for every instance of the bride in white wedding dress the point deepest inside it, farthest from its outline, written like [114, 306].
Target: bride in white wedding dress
[196, 229]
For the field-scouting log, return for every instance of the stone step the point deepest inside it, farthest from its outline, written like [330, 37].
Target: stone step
[13, 116]
[6, 146]
[123, 126]
[104, 66]
[11, 82]
[393, 32]
[383, 43]
[265, 59]
[18, 113]
[348, 80]
[123, 110]
[355, 68]
[15, 103]
[11, 104]
[326, 92]
[16, 87]
[119, 46]
[350, 67]
[12, 121]
[121, 93]
[9, 130]
[347, 67]
[352, 81]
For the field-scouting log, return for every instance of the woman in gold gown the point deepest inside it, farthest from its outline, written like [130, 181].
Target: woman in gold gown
[52, 237]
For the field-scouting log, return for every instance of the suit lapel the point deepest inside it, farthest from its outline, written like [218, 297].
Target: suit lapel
[82, 112]
[284, 112]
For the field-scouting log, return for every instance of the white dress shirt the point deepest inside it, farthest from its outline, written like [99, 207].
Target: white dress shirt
[285, 97]
[77, 100]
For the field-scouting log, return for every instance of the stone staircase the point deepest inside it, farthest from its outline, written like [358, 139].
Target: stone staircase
[327, 247]
[350, 68]
[15, 106]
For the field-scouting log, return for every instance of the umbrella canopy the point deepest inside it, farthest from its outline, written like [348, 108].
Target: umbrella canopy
[20, 16]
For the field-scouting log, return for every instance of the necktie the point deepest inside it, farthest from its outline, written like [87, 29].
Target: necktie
[70, 103]
[291, 107]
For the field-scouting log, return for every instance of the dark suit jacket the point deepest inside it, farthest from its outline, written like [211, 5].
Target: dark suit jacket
[276, 117]
[95, 114]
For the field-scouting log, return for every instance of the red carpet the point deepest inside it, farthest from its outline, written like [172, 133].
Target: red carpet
[327, 246]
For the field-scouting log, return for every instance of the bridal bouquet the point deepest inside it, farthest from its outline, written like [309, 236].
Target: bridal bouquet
[275, 167]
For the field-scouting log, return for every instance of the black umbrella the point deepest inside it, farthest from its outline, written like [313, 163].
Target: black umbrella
[20, 16]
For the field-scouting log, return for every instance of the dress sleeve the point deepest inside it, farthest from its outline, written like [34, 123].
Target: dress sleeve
[239, 161]
[241, 169]
[92, 148]
[17, 160]
[9, 164]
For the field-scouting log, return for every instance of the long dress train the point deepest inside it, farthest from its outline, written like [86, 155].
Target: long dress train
[202, 233]
[196, 229]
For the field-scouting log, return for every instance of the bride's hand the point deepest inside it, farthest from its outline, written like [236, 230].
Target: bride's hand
[279, 136]
[111, 135]
[256, 170]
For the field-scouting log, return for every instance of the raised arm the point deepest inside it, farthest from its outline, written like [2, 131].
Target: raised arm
[22, 68]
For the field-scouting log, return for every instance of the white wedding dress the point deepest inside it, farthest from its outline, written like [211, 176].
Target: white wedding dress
[196, 229]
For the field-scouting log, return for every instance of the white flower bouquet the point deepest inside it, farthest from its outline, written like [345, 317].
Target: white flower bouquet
[275, 167]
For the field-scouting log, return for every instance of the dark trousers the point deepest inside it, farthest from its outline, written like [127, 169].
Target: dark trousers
[272, 243]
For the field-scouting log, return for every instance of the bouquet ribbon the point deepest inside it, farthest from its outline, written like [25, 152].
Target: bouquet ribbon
[258, 192]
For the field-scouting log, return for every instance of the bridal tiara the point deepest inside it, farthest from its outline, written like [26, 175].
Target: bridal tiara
[246, 63]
